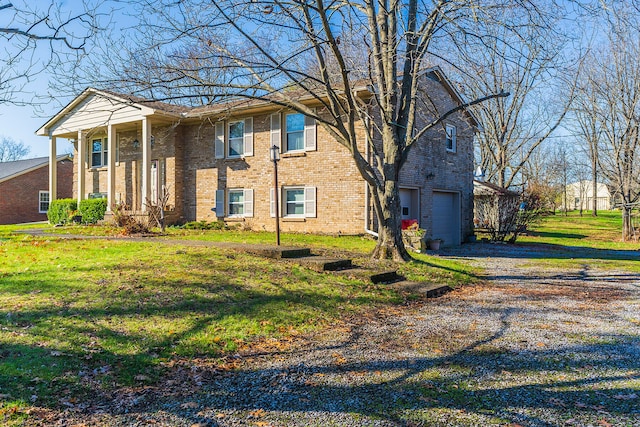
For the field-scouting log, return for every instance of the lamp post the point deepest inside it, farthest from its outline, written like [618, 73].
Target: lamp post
[275, 157]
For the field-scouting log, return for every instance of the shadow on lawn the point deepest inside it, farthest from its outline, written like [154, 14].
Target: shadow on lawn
[539, 251]
[557, 235]
[399, 390]
[477, 379]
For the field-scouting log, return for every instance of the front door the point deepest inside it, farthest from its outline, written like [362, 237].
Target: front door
[409, 203]
[154, 182]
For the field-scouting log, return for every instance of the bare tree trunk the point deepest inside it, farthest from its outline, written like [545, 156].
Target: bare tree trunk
[627, 231]
[594, 190]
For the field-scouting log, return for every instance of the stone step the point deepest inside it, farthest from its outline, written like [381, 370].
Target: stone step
[320, 263]
[276, 252]
[430, 290]
[386, 277]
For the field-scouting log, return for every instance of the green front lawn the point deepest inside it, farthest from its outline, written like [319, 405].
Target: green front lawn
[576, 241]
[602, 232]
[78, 317]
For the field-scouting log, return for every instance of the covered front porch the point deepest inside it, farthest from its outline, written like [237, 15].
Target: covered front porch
[124, 149]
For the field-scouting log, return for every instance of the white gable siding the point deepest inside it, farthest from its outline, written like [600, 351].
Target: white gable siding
[96, 111]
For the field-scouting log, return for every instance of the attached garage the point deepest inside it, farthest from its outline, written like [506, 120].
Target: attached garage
[446, 217]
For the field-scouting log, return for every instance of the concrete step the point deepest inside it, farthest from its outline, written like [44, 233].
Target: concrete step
[320, 263]
[276, 252]
[386, 277]
[430, 290]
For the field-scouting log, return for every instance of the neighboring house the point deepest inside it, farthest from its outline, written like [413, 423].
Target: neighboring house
[24, 188]
[215, 163]
[580, 196]
[492, 205]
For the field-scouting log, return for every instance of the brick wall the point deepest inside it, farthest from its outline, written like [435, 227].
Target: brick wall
[431, 167]
[19, 197]
[186, 153]
[339, 187]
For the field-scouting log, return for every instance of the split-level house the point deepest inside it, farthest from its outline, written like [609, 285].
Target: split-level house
[215, 163]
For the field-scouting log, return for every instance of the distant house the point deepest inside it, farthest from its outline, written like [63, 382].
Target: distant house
[580, 196]
[24, 188]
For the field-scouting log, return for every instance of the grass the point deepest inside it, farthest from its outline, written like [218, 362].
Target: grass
[81, 317]
[576, 240]
[573, 229]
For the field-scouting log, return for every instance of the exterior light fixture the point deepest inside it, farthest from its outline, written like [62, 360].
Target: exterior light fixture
[274, 154]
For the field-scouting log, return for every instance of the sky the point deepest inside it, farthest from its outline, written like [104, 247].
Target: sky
[20, 122]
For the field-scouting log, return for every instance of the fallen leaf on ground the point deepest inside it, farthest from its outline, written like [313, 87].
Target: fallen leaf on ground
[189, 405]
[625, 396]
[257, 413]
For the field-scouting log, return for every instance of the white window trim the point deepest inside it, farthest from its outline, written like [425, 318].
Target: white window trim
[451, 133]
[228, 139]
[247, 203]
[279, 131]
[222, 141]
[309, 203]
[286, 134]
[40, 201]
[105, 146]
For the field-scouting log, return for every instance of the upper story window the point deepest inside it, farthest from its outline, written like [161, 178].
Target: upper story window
[450, 138]
[295, 132]
[234, 140]
[99, 154]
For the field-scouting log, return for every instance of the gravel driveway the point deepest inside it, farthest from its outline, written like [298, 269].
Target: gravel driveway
[529, 347]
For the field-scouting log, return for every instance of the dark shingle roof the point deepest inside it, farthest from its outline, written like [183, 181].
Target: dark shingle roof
[8, 169]
[156, 105]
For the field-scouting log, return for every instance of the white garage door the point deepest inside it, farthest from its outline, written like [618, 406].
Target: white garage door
[446, 217]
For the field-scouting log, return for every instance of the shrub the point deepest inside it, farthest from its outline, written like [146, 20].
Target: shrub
[92, 210]
[130, 224]
[204, 225]
[61, 210]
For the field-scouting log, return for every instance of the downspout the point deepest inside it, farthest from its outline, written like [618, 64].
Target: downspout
[367, 197]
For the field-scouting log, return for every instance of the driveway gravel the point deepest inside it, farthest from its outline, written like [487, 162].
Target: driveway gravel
[529, 347]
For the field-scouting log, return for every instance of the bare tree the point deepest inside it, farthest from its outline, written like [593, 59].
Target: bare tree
[615, 86]
[11, 150]
[543, 176]
[37, 35]
[587, 123]
[537, 70]
[208, 50]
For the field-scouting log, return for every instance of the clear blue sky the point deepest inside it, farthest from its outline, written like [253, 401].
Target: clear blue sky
[21, 122]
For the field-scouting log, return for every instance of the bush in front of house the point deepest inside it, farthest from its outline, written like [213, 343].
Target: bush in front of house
[61, 210]
[92, 210]
[204, 225]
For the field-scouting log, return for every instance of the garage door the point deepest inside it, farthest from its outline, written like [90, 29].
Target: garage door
[446, 217]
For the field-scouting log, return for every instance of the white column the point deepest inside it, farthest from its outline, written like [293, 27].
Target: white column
[111, 167]
[146, 162]
[82, 157]
[53, 169]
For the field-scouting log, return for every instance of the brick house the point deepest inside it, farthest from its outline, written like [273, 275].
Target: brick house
[24, 188]
[215, 162]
